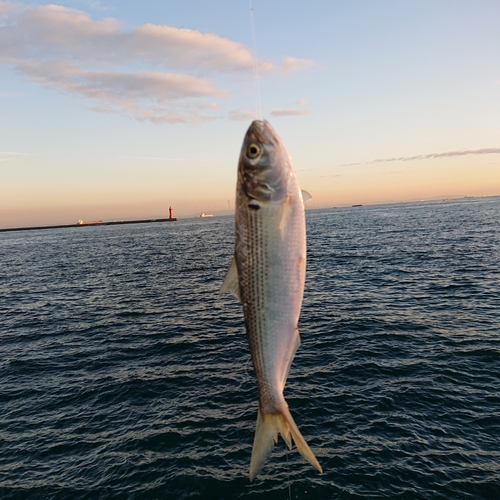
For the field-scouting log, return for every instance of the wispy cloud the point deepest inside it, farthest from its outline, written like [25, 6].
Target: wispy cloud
[462, 152]
[10, 155]
[142, 95]
[290, 112]
[38, 41]
[349, 164]
[5, 7]
[447, 154]
[290, 64]
[241, 115]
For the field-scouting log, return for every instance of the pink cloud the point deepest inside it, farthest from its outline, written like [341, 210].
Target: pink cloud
[38, 41]
[291, 64]
[290, 112]
[5, 7]
[238, 115]
[142, 95]
[51, 32]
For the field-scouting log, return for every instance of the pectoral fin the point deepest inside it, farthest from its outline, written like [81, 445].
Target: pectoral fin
[231, 282]
[306, 196]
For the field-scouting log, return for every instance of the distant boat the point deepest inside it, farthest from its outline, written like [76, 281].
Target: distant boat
[91, 223]
[357, 205]
[203, 214]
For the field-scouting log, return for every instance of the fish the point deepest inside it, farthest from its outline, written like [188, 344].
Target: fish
[267, 274]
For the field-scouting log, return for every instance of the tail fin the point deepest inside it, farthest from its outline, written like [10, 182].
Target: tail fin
[266, 435]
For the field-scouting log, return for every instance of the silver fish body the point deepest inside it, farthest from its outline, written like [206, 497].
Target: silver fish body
[268, 275]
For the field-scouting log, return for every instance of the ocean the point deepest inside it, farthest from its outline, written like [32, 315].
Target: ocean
[125, 375]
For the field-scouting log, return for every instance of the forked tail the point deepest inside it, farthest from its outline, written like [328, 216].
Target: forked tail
[266, 435]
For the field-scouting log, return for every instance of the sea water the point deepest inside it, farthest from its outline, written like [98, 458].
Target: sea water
[124, 374]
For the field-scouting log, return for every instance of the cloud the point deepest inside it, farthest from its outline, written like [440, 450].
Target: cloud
[290, 112]
[11, 154]
[143, 95]
[65, 49]
[238, 115]
[463, 152]
[161, 87]
[290, 64]
[5, 7]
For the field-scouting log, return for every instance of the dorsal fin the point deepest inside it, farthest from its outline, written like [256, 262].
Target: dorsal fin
[306, 196]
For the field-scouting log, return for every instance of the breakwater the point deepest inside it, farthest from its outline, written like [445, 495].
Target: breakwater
[109, 223]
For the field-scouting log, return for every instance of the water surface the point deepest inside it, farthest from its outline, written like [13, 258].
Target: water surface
[123, 373]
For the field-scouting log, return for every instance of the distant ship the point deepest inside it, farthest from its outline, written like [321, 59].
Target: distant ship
[91, 223]
[203, 214]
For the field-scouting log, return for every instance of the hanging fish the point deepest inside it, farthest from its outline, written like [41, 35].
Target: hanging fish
[267, 275]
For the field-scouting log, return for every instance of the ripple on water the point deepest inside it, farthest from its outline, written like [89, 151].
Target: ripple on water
[125, 375]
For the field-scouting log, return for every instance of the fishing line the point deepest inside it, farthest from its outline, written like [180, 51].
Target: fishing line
[256, 79]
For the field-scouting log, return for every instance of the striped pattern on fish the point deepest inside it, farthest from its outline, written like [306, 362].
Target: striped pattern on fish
[267, 275]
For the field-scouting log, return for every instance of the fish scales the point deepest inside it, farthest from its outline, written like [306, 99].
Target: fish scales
[267, 274]
[269, 305]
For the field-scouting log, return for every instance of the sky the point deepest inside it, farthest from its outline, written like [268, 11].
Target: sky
[120, 109]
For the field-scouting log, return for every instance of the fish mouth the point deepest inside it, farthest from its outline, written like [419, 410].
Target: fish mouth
[256, 132]
[258, 125]
[262, 131]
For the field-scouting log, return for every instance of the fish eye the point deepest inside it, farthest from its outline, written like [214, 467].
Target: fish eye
[253, 151]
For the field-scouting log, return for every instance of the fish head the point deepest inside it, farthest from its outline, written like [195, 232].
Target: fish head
[265, 167]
